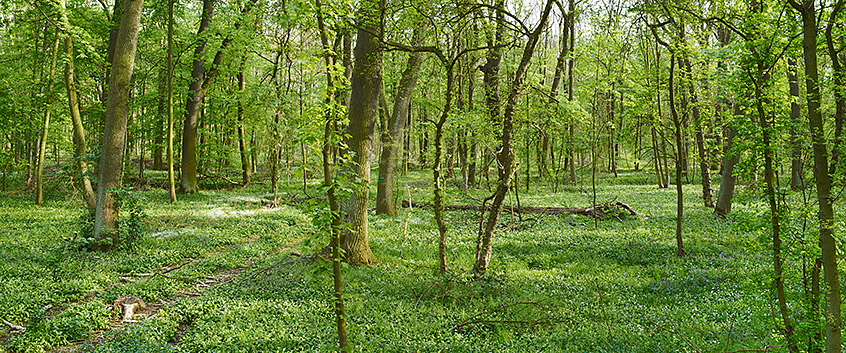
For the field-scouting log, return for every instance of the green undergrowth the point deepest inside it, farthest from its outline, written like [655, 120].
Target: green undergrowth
[209, 234]
[556, 283]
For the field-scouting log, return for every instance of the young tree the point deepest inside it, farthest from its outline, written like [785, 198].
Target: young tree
[506, 156]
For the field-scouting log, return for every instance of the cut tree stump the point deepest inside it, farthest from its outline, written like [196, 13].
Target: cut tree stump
[600, 211]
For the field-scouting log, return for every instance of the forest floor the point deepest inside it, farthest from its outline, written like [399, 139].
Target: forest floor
[216, 272]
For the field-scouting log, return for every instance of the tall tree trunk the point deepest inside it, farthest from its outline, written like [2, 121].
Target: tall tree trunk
[170, 178]
[391, 138]
[797, 172]
[571, 89]
[160, 124]
[246, 169]
[366, 82]
[730, 157]
[839, 74]
[769, 177]
[114, 132]
[821, 176]
[45, 127]
[704, 170]
[188, 166]
[506, 156]
[201, 81]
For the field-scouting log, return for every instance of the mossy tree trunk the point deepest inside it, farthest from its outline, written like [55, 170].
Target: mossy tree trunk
[366, 82]
[114, 132]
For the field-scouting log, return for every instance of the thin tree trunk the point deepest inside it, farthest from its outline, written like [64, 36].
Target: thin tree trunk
[505, 157]
[330, 131]
[76, 121]
[704, 171]
[170, 177]
[246, 169]
[45, 127]
[571, 89]
[796, 168]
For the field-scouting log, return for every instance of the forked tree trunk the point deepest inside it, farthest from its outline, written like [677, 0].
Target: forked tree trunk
[506, 157]
[392, 136]
[188, 167]
[114, 131]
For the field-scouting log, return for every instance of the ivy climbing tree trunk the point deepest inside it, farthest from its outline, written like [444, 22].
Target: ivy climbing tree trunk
[114, 131]
[329, 136]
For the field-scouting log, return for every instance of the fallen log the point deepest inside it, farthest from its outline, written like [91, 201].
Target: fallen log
[600, 211]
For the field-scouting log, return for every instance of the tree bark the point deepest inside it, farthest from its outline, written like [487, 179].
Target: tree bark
[188, 166]
[704, 171]
[821, 176]
[78, 129]
[392, 136]
[45, 127]
[366, 82]
[797, 172]
[506, 156]
[170, 178]
[114, 131]
[246, 169]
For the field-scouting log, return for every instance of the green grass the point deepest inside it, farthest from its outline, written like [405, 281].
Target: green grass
[617, 287]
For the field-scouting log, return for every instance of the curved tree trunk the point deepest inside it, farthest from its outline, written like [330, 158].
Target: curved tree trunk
[78, 130]
[506, 156]
[114, 132]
